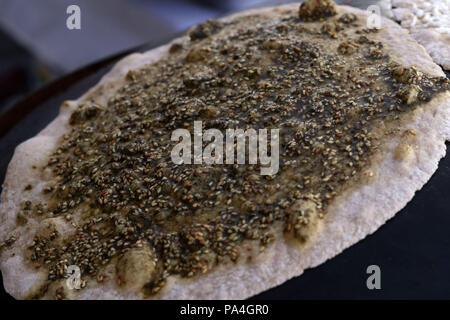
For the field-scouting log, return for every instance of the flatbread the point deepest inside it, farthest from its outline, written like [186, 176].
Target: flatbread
[429, 23]
[351, 216]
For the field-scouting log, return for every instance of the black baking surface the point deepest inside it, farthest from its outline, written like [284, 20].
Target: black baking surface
[412, 249]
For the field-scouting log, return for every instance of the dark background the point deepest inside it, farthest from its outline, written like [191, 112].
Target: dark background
[412, 249]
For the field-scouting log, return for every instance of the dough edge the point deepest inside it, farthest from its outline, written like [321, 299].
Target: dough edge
[435, 40]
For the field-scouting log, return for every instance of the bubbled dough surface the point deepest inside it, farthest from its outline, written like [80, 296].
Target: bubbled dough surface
[351, 217]
[429, 23]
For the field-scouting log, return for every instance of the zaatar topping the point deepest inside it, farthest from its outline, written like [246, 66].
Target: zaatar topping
[205, 29]
[314, 10]
[7, 243]
[114, 166]
[348, 18]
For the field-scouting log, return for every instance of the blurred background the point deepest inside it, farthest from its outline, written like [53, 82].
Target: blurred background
[36, 46]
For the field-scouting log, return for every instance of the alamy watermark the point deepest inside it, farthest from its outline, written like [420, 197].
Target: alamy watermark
[214, 153]
[374, 280]
[73, 281]
[374, 17]
[73, 22]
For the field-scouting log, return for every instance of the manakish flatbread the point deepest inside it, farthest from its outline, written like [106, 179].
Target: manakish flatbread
[405, 161]
[429, 23]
